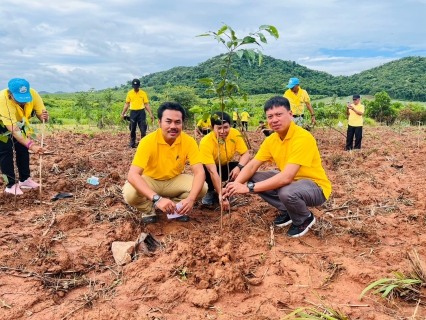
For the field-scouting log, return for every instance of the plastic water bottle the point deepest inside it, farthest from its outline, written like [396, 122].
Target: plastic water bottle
[93, 181]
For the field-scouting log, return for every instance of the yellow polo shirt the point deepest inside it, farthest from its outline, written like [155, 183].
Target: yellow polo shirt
[298, 147]
[297, 101]
[160, 161]
[137, 99]
[354, 119]
[245, 116]
[11, 112]
[204, 124]
[234, 143]
[235, 115]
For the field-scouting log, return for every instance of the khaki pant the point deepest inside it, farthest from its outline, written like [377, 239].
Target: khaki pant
[176, 189]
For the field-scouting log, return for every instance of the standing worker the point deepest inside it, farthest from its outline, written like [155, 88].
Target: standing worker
[355, 111]
[138, 101]
[235, 118]
[17, 103]
[245, 118]
[298, 99]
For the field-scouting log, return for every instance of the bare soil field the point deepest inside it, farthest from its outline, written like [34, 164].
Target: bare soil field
[56, 260]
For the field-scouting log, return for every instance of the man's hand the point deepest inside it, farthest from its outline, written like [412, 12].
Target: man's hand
[233, 188]
[225, 203]
[234, 173]
[44, 115]
[36, 149]
[166, 205]
[152, 118]
[186, 206]
[313, 120]
[122, 116]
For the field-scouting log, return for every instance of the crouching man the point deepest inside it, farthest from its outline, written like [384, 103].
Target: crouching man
[230, 141]
[301, 180]
[155, 178]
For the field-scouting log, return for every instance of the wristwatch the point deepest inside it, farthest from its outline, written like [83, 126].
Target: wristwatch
[156, 198]
[240, 166]
[250, 185]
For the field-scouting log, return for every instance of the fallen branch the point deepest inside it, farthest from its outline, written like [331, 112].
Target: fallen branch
[51, 224]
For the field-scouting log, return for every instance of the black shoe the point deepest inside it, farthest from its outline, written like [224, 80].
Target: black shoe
[298, 231]
[184, 218]
[149, 219]
[283, 219]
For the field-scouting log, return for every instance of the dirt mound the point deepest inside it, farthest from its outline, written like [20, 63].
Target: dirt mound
[56, 260]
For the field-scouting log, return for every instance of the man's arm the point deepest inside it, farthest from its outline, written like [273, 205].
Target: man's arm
[148, 107]
[199, 132]
[311, 110]
[20, 137]
[126, 106]
[197, 184]
[44, 115]
[244, 159]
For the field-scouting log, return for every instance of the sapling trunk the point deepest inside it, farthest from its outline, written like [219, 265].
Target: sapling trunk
[41, 156]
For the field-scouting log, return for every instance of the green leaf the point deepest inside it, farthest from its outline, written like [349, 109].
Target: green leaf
[33, 135]
[260, 57]
[222, 30]
[293, 313]
[221, 84]
[219, 39]
[229, 44]
[204, 35]
[388, 290]
[262, 37]
[374, 284]
[273, 32]
[240, 53]
[237, 75]
[248, 39]
[5, 178]
[206, 116]
[223, 72]
[232, 141]
[196, 109]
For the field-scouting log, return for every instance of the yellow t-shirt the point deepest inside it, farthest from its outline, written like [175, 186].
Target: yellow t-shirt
[160, 161]
[298, 147]
[137, 99]
[234, 143]
[11, 112]
[354, 119]
[297, 102]
[245, 116]
[204, 124]
[235, 116]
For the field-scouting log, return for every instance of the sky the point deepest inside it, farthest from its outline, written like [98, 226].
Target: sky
[77, 45]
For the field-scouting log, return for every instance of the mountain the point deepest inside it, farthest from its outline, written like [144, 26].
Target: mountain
[403, 79]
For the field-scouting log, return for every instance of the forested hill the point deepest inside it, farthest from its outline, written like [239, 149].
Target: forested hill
[402, 79]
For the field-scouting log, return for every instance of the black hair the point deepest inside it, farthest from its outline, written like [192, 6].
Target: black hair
[218, 118]
[277, 101]
[170, 106]
[261, 122]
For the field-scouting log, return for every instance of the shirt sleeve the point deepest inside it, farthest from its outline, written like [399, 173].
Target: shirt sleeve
[143, 153]
[145, 98]
[206, 153]
[263, 154]
[38, 105]
[306, 97]
[193, 152]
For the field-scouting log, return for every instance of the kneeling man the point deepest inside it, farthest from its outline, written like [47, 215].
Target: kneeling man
[155, 179]
[301, 180]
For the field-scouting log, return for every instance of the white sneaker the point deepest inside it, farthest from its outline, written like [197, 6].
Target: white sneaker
[29, 184]
[14, 190]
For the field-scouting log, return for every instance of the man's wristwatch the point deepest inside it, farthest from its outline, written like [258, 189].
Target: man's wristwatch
[156, 198]
[250, 186]
[240, 166]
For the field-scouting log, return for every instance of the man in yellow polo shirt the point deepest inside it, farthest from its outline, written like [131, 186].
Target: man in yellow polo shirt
[355, 111]
[17, 104]
[204, 127]
[301, 180]
[230, 141]
[138, 101]
[155, 178]
[298, 99]
[235, 118]
[245, 118]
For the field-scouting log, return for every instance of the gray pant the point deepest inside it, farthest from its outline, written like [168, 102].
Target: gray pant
[295, 197]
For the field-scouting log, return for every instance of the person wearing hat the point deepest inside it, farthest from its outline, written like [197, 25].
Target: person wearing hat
[298, 99]
[355, 111]
[17, 103]
[235, 118]
[245, 118]
[138, 101]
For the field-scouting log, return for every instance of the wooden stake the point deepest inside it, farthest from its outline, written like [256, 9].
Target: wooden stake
[41, 157]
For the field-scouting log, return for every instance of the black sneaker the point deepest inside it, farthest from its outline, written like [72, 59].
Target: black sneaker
[184, 218]
[149, 218]
[283, 219]
[298, 231]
